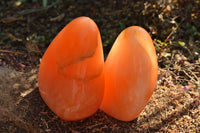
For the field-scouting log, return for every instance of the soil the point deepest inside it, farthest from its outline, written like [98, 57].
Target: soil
[22, 109]
[175, 103]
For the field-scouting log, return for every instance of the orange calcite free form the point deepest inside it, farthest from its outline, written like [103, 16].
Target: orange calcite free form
[71, 80]
[130, 74]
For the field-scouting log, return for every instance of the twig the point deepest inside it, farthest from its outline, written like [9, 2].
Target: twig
[170, 34]
[193, 74]
[45, 123]
[193, 64]
[192, 77]
[155, 43]
[162, 47]
[29, 11]
[17, 121]
[193, 80]
[183, 80]
[196, 82]
[13, 52]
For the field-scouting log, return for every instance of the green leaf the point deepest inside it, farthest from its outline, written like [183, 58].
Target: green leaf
[159, 41]
[162, 43]
[122, 26]
[44, 3]
[165, 54]
[181, 43]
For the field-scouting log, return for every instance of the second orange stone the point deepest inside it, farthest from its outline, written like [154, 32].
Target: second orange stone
[130, 74]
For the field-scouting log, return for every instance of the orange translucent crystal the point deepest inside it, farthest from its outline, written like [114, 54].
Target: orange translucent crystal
[72, 71]
[130, 74]
[71, 79]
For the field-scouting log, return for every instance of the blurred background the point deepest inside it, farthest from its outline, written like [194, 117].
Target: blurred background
[173, 23]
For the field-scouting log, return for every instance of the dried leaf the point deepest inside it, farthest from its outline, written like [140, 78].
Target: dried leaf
[11, 19]
[21, 65]
[180, 87]
[168, 8]
[153, 29]
[178, 57]
[160, 16]
[32, 78]
[16, 86]
[191, 86]
[48, 130]
[181, 43]
[186, 63]
[32, 47]
[165, 54]
[73, 131]
[23, 94]
[194, 93]
[171, 131]
[14, 39]
[18, 3]
[58, 18]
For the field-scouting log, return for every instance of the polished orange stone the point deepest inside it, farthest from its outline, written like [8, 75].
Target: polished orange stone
[130, 74]
[71, 79]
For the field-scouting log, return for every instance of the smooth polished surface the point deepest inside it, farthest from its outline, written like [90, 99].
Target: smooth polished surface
[71, 80]
[130, 74]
